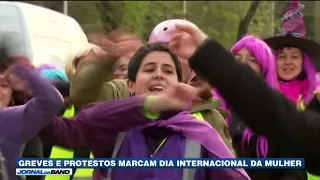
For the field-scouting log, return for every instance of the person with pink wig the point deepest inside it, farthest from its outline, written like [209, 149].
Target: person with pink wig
[255, 53]
[258, 56]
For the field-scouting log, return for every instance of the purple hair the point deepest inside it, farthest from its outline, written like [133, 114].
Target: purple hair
[46, 67]
[317, 84]
[263, 54]
[311, 78]
[266, 60]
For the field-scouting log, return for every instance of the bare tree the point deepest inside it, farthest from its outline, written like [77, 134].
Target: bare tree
[108, 16]
[54, 5]
[244, 24]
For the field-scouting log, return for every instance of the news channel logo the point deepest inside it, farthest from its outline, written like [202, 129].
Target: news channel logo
[37, 171]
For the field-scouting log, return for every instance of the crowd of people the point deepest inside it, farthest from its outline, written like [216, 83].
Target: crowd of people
[181, 94]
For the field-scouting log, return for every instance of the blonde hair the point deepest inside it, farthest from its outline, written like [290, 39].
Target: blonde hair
[117, 43]
[74, 56]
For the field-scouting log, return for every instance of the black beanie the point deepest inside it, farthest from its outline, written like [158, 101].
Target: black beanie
[142, 52]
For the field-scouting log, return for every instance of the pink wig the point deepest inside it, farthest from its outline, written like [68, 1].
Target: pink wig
[264, 56]
[266, 60]
[317, 84]
[311, 78]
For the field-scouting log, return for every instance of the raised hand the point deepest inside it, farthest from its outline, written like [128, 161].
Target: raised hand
[178, 97]
[185, 39]
[14, 81]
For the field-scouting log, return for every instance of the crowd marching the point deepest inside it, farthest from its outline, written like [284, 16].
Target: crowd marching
[180, 95]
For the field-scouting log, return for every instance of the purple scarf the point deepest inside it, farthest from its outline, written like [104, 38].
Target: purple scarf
[199, 131]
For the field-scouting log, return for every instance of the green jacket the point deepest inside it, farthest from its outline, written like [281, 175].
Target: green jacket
[92, 83]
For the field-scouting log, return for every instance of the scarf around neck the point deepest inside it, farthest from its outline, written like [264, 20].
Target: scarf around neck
[293, 89]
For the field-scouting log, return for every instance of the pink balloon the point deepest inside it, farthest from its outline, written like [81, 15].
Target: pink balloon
[161, 33]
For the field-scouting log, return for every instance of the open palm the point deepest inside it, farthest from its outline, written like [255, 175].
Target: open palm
[183, 45]
[185, 40]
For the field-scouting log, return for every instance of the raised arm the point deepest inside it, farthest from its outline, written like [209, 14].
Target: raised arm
[99, 123]
[89, 85]
[96, 123]
[23, 122]
[263, 109]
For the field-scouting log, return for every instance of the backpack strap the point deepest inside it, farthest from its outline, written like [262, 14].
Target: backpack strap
[3, 169]
[192, 150]
[117, 146]
[119, 140]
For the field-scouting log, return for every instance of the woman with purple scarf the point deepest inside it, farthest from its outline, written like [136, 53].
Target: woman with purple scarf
[155, 71]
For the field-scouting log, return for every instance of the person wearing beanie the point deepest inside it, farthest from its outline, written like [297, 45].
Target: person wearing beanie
[54, 74]
[59, 80]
